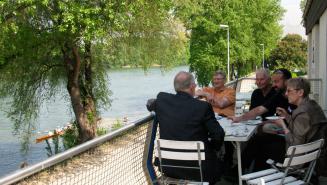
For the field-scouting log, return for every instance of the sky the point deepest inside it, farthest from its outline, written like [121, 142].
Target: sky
[292, 18]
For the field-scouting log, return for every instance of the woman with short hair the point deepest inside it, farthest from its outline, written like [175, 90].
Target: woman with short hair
[304, 121]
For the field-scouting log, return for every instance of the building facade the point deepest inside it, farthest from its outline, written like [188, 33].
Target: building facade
[315, 23]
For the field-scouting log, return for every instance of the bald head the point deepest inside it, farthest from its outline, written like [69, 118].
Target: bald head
[183, 81]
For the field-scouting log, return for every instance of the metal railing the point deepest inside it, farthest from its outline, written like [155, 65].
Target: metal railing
[115, 158]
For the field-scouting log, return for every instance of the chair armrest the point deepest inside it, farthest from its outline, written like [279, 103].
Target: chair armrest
[272, 163]
[258, 174]
[280, 165]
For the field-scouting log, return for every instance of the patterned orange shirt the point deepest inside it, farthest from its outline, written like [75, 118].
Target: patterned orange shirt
[229, 93]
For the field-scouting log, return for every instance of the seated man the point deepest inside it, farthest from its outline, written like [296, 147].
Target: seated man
[279, 99]
[264, 91]
[184, 118]
[220, 97]
[222, 100]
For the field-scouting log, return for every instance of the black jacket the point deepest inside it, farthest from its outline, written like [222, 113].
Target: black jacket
[184, 118]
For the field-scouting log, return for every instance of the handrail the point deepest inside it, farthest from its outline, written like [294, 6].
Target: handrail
[21, 174]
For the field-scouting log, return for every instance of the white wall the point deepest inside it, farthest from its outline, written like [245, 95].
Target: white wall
[323, 56]
[317, 57]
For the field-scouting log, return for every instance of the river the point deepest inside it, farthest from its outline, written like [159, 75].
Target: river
[130, 87]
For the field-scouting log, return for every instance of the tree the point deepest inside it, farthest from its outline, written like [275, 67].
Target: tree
[50, 44]
[162, 42]
[251, 23]
[290, 53]
[49, 41]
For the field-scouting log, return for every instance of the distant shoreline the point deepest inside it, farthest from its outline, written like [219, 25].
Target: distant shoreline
[140, 66]
[129, 66]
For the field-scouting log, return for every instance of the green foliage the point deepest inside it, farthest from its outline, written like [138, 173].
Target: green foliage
[70, 137]
[290, 53]
[90, 116]
[117, 125]
[251, 22]
[56, 146]
[152, 37]
[101, 131]
[36, 32]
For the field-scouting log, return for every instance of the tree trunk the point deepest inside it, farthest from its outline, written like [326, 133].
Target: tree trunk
[83, 106]
[88, 98]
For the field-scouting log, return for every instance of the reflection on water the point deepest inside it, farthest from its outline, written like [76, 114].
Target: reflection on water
[130, 87]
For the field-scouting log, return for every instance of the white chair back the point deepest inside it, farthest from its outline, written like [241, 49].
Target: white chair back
[301, 154]
[296, 155]
[180, 150]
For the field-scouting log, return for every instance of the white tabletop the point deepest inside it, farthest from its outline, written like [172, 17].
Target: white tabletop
[241, 131]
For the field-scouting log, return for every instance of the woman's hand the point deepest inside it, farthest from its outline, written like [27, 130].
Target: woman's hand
[281, 112]
[281, 123]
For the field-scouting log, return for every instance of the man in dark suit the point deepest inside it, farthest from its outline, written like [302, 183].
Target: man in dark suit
[184, 118]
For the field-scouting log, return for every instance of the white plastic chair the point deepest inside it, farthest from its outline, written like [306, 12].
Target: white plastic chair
[180, 150]
[300, 159]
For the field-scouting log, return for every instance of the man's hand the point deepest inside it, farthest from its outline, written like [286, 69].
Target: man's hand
[150, 104]
[210, 99]
[235, 119]
[202, 93]
[199, 92]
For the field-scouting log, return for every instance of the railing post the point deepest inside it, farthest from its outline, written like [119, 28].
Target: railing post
[148, 152]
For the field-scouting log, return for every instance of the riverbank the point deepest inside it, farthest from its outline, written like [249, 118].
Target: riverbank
[129, 66]
[111, 124]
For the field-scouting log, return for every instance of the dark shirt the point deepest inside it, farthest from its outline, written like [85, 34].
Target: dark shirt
[257, 99]
[279, 100]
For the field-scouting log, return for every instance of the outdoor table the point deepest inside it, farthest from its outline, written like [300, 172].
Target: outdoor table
[237, 133]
